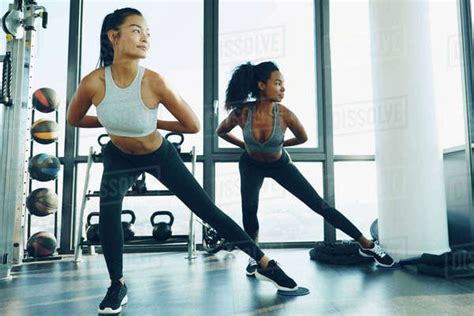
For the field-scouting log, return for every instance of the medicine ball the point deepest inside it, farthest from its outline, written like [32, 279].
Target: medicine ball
[44, 167]
[41, 244]
[45, 131]
[42, 202]
[45, 100]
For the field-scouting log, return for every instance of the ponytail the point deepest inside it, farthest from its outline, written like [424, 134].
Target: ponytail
[239, 87]
[106, 48]
[244, 83]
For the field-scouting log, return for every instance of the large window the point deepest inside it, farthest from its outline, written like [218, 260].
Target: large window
[282, 217]
[351, 64]
[353, 123]
[447, 73]
[356, 194]
[265, 30]
[353, 112]
[176, 53]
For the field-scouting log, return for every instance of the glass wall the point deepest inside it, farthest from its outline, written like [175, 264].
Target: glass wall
[353, 123]
[447, 73]
[289, 40]
[353, 112]
[356, 194]
[450, 102]
[282, 217]
[269, 32]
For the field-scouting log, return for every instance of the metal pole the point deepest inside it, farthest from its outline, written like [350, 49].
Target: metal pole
[192, 235]
[77, 248]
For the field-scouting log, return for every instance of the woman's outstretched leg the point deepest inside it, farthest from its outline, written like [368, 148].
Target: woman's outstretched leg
[166, 165]
[289, 177]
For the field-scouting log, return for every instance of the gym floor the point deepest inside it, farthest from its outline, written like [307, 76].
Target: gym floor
[166, 284]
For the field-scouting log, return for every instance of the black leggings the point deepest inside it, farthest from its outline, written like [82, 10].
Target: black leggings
[283, 171]
[120, 172]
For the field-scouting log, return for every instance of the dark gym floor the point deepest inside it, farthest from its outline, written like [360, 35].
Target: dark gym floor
[166, 284]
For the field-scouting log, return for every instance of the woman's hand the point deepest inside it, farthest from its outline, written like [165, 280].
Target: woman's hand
[296, 128]
[223, 130]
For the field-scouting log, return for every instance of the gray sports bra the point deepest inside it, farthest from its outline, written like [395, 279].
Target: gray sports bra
[273, 144]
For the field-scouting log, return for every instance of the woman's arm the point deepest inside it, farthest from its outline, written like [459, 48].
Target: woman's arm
[296, 128]
[80, 104]
[187, 120]
[223, 130]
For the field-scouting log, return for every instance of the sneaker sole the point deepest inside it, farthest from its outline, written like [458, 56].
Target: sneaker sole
[251, 274]
[281, 288]
[383, 264]
[109, 310]
[363, 254]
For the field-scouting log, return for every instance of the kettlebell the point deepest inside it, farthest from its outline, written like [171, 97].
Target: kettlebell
[97, 157]
[162, 230]
[140, 186]
[100, 140]
[127, 227]
[92, 230]
[178, 144]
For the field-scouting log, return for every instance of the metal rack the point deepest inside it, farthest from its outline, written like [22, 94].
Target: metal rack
[27, 220]
[19, 26]
[189, 240]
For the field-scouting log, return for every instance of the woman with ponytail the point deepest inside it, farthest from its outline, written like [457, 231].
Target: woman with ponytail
[127, 97]
[253, 98]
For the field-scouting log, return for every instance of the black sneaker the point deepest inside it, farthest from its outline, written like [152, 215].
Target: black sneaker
[379, 255]
[251, 268]
[114, 299]
[273, 273]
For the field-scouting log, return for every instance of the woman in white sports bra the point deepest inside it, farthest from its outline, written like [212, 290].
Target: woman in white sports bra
[127, 97]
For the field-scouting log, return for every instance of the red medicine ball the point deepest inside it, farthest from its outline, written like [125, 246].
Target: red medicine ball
[45, 100]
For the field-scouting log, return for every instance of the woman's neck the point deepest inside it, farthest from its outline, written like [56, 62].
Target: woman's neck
[264, 106]
[124, 71]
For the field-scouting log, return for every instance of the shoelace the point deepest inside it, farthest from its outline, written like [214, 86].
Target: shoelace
[107, 296]
[111, 291]
[280, 273]
[277, 267]
[378, 250]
